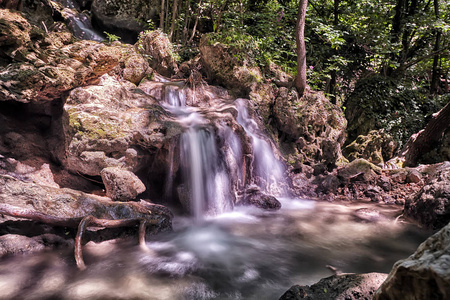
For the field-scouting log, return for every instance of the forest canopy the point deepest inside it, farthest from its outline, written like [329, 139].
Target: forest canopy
[407, 40]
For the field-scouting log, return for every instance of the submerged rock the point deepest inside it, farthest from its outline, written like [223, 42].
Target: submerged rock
[338, 287]
[422, 276]
[257, 198]
[431, 205]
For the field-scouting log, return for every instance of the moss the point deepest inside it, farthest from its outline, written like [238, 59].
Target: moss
[93, 126]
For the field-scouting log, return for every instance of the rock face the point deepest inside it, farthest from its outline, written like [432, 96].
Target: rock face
[422, 276]
[431, 205]
[41, 67]
[314, 125]
[121, 185]
[112, 124]
[338, 287]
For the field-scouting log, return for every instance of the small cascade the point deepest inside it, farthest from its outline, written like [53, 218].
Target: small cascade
[219, 157]
[207, 177]
[268, 170]
[79, 22]
[206, 186]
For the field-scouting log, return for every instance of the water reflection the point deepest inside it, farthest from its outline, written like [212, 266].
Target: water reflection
[244, 254]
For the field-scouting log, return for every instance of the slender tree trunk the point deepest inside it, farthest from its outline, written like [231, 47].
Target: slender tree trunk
[332, 88]
[435, 75]
[300, 80]
[424, 141]
[199, 11]
[174, 18]
[161, 16]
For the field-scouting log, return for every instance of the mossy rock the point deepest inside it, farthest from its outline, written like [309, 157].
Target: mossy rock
[358, 166]
[377, 147]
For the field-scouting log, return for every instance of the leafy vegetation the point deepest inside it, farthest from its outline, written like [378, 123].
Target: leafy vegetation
[396, 52]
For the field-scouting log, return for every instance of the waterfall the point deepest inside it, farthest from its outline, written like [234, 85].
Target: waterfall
[204, 174]
[79, 22]
[268, 170]
[221, 155]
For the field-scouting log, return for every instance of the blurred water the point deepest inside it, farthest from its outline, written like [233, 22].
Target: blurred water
[243, 254]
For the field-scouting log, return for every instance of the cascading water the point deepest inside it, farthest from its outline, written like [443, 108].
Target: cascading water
[79, 22]
[205, 176]
[269, 171]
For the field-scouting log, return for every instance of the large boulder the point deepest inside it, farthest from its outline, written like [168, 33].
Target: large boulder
[422, 276]
[41, 66]
[431, 205]
[314, 125]
[112, 124]
[338, 287]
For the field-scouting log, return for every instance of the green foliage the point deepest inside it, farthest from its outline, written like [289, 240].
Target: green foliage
[111, 37]
[399, 109]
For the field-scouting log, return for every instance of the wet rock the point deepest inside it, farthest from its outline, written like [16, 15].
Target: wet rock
[121, 185]
[422, 276]
[368, 215]
[257, 198]
[338, 287]
[376, 147]
[157, 46]
[431, 205]
[18, 244]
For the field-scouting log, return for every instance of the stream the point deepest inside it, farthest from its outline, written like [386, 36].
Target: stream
[247, 253]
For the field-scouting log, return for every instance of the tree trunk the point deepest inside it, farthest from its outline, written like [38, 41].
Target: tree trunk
[199, 11]
[435, 73]
[300, 80]
[424, 141]
[161, 16]
[174, 18]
